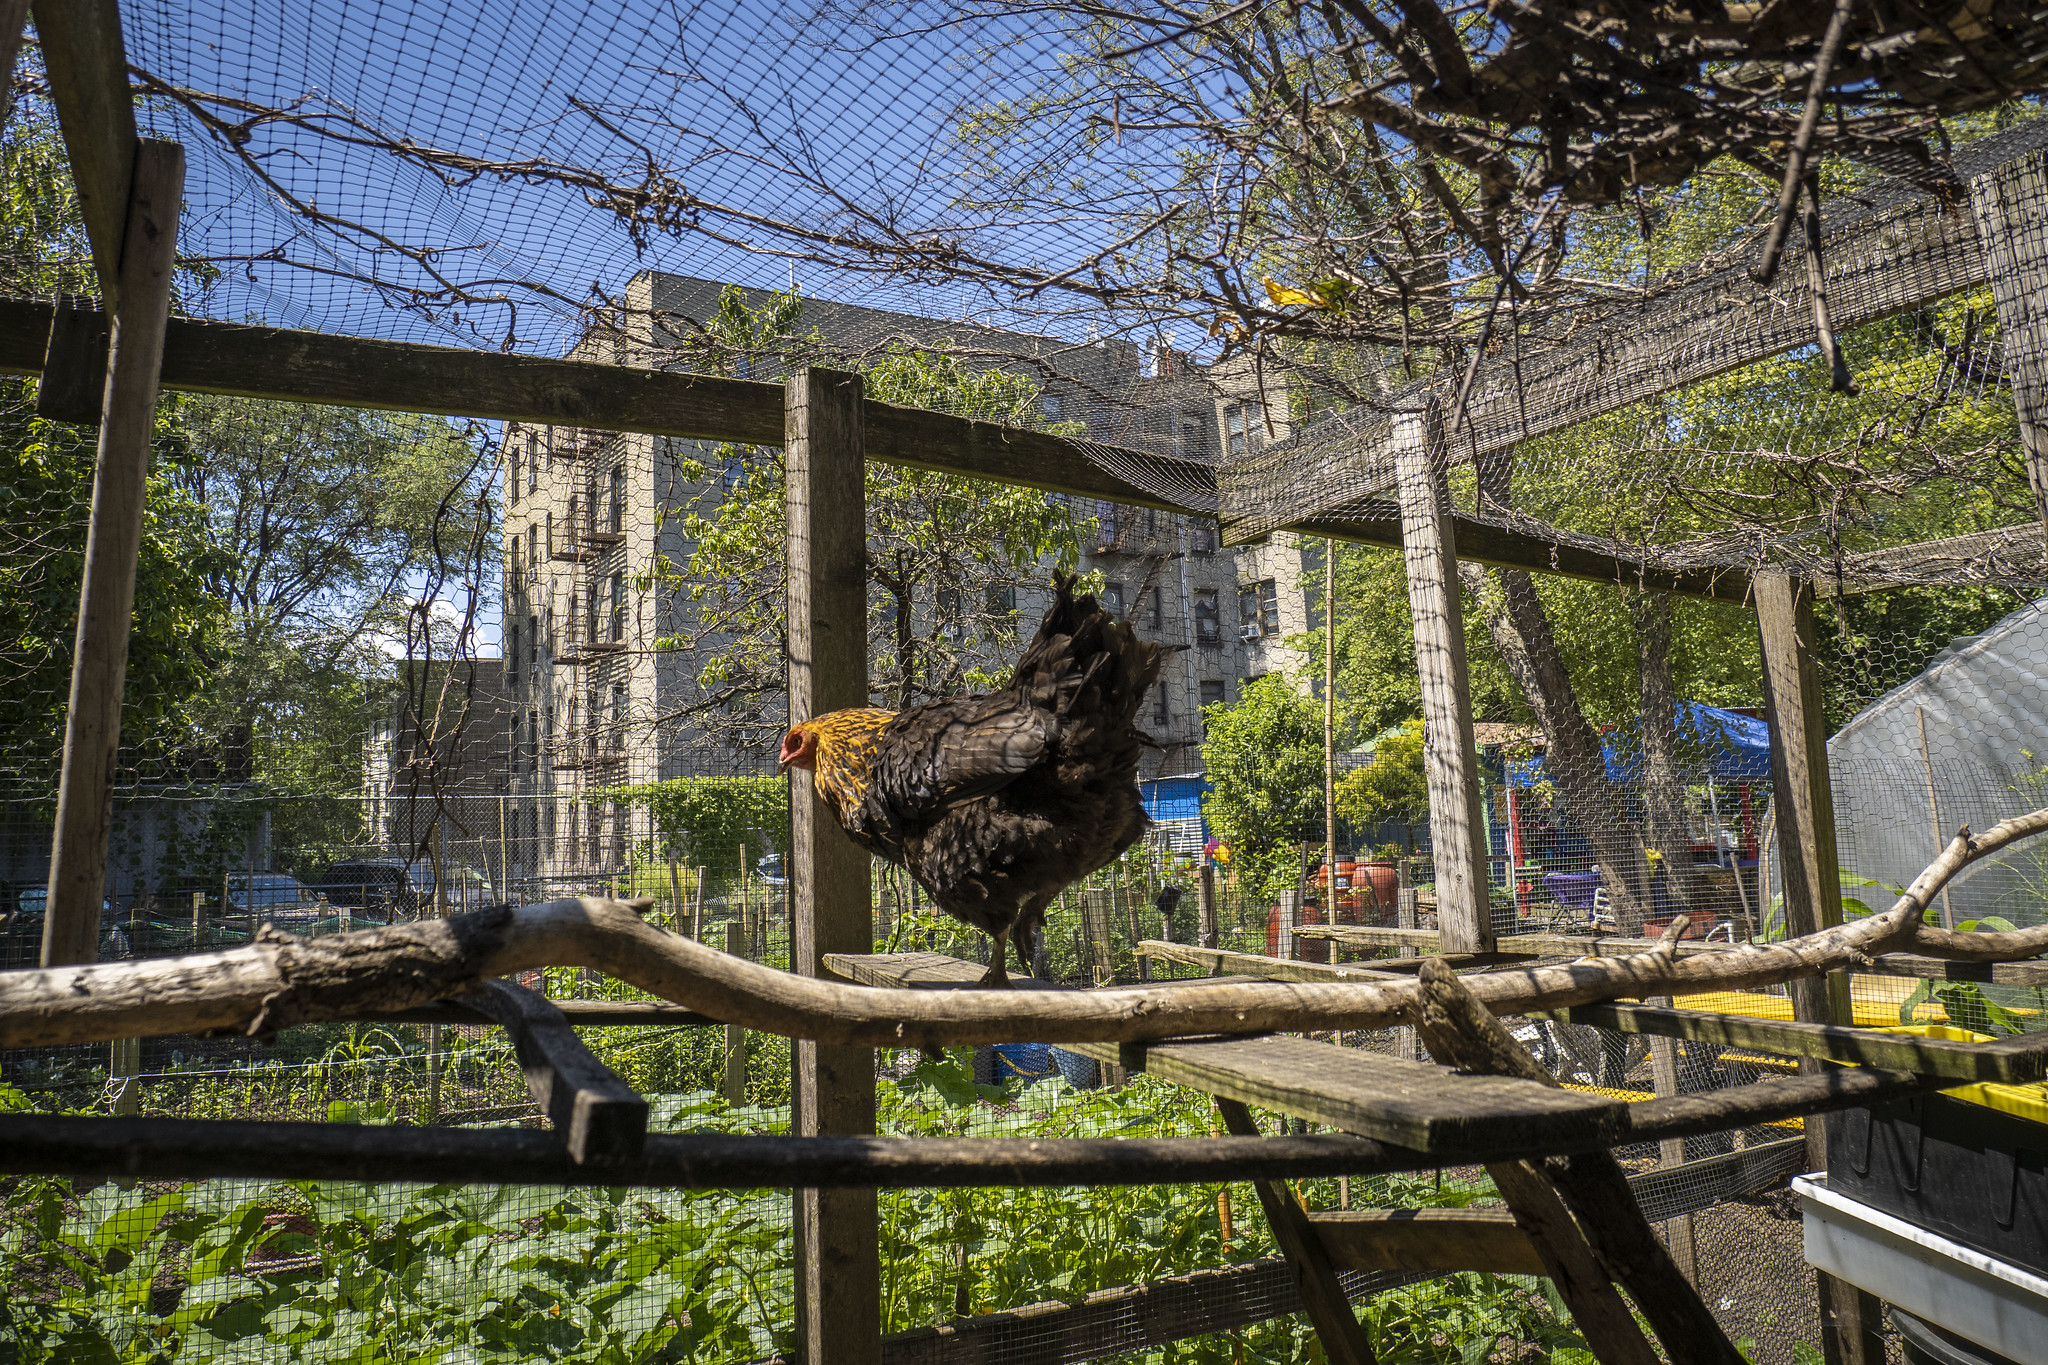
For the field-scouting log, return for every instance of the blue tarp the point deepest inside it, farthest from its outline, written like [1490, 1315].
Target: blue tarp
[1174, 798]
[1733, 747]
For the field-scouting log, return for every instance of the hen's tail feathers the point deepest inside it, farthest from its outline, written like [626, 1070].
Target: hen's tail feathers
[1084, 663]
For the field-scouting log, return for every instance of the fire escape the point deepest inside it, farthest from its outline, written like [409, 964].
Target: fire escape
[592, 637]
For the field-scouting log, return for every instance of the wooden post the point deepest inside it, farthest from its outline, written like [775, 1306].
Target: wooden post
[1678, 1232]
[697, 907]
[735, 1036]
[124, 1064]
[13, 19]
[1450, 756]
[1315, 1276]
[2011, 206]
[838, 1274]
[1330, 731]
[675, 896]
[1205, 907]
[1802, 799]
[106, 598]
[198, 918]
[1290, 920]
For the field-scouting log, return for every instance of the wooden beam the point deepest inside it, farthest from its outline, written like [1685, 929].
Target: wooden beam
[2030, 973]
[600, 1118]
[283, 365]
[578, 1014]
[2011, 208]
[1315, 1276]
[1457, 827]
[290, 366]
[1250, 964]
[106, 600]
[88, 66]
[2014, 1061]
[838, 1270]
[1498, 547]
[13, 20]
[1110, 1323]
[1802, 796]
[74, 378]
[1433, 1241]
[206, 1149]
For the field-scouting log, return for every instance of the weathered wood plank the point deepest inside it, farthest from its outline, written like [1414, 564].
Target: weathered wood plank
[1436, 1241]
[74, 379]
[106, 598]
[1457, 829]
[1801, 795]
[1534, 945]
[1411, 1104]
[601, 1119]
[2033, 972]
[838, 1270]
[1251, 964]
[1111, 1322]
[88, 66]
[2011, 1061]
[2011, 208]
[1315, 1276]
[578, 1013]
[1261, 968]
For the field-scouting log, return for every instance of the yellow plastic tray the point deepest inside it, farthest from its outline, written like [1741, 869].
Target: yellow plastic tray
[2029, 1102]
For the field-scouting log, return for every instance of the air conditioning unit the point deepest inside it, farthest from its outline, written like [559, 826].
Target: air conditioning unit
[1250, 632]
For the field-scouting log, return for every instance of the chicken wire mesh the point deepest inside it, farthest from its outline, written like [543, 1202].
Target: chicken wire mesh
[739, 190]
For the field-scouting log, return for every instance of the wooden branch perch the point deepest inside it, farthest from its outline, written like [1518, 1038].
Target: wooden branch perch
[600, 1117]
[279, 980]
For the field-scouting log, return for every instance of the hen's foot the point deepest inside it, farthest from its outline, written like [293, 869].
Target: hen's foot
[995, 978]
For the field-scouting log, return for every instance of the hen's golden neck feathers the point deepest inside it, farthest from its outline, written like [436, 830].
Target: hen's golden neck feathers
[844, 753]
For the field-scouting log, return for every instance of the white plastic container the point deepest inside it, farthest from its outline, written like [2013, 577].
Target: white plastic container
[1997, 1305]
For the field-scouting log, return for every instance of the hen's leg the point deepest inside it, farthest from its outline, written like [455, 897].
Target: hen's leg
[1029, 936]
[996, 976]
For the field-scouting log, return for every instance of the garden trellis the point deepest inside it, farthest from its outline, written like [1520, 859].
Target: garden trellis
[1566, 425]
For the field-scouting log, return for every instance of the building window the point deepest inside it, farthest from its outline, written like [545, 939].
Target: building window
[618, 715]
[533, 738]
[512, 660]
[1155, 615]
[590, 614]
[950, 624]
[1201, 535]
[1159, 712]
[517, 473]
[533, 637]
[1212, 692]
[1243, 425]
[532, 548]
[1113, 598]
[574, 529]
[1002, 608]
[618, 606]
[1053, 406]
[1258, 608]
[551, 533]
[532, 462]
[618, 499]
[1208, 620]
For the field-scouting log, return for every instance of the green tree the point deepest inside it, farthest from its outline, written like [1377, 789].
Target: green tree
[1393, 786]
[333, 524]
[1264, 761]
[947, 556]
[46, 476]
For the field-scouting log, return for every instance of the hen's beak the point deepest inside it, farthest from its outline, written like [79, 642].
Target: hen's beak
[792, 750]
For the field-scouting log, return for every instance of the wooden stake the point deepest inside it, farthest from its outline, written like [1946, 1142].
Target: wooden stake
[106, 599]
[838, 1276]
[1450, 755]
[735, 1036]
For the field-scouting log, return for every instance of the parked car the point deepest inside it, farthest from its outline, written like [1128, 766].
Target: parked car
[390, 887]
[21, 927]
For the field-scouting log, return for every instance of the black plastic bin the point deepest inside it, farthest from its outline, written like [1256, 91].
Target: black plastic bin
[1971, 1173]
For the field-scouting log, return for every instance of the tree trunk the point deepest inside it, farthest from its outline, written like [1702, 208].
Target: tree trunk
[1664, 822]
[1522, 632]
